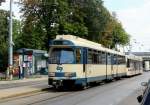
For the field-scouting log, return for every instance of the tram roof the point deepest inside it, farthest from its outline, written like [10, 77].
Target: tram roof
[77, 41]
[134, 57]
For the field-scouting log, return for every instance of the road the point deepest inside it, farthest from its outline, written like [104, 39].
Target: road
[122, 92]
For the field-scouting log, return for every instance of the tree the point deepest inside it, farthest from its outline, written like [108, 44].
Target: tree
[17, 31]
[4, 31]
[3, 37]
[54, 17]
[85, 18]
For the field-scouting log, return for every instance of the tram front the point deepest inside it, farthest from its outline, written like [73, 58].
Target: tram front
[65, 65]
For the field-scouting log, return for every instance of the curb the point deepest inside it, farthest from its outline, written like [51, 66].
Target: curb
[24, 93]
[23, 81]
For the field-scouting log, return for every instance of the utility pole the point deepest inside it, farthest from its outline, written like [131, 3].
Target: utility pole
[10, 59]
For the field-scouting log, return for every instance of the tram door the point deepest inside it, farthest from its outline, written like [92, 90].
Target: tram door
[109, 67]
[114, 66]
[84, 54]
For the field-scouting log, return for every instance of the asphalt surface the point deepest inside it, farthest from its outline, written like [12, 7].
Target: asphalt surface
[122, 92]
[13, 85]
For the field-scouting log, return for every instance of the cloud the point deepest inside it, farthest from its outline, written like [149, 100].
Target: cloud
[136, 21]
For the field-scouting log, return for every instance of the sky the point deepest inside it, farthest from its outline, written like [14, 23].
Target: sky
[135, 18]
[133, 14]
[16, 8]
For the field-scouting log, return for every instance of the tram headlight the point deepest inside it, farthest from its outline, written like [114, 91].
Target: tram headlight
[51, 74]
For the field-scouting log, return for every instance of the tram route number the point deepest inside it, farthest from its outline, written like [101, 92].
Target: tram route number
[60, 69]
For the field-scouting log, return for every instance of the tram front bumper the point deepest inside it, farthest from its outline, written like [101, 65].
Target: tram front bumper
[57, 80]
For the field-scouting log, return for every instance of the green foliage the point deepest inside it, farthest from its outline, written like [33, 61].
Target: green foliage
[84, 18]
[17, 31]
[3, 37]
[44, 19]
[31, 36]
[4, 32]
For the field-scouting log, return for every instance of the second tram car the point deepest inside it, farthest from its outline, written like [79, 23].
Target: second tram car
[134, 65]
[75, 61]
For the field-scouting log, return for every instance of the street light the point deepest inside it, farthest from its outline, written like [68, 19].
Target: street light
[10, 58]
[138, 43]
[133, 44]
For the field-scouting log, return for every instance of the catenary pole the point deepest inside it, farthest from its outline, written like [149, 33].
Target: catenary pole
[10, 41]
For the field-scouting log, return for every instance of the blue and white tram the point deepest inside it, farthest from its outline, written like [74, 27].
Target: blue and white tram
[75, 61]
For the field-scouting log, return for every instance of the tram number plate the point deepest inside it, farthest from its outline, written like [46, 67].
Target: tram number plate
[60, 69]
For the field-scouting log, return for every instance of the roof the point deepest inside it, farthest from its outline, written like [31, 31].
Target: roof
[35, 51]
[77, 41]
[134, 57]
[142, 53]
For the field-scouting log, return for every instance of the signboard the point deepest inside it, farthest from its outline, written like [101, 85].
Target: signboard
[30, 58]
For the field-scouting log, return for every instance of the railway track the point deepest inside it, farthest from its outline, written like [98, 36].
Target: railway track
[51, 94]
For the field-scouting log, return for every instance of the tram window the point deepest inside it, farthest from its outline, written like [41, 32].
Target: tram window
[128, 63]
[103, 58]
[62, 43]
[131, 64]
[90, 57]
[137, 65]
[134, 65]
[100, 58]
[121, 60]
[78, 56]
[108, 58]
[114, 59]
[95, 58]
[62, 56]
[140, 64]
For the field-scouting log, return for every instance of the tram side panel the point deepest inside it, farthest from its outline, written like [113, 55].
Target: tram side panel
[109, 67]
[139, 67]
[96, 72]
[114, 66]
[128, 69]
[121, 70]
[133, 67]
[96, 66]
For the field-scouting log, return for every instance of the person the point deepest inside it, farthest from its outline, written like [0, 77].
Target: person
[19, 70]
[11, 70]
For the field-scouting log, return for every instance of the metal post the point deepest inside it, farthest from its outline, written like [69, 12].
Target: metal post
[10, 41]
[23, 71]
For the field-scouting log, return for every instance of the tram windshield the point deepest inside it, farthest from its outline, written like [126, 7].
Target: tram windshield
[62, 56]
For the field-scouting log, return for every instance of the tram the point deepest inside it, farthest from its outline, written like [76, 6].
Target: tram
[75, 61]
[134, 65]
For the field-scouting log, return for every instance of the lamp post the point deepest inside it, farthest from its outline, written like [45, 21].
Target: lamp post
[138, 44]
[10, 59]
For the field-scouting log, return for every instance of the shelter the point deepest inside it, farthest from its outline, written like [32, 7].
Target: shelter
[29, 62]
